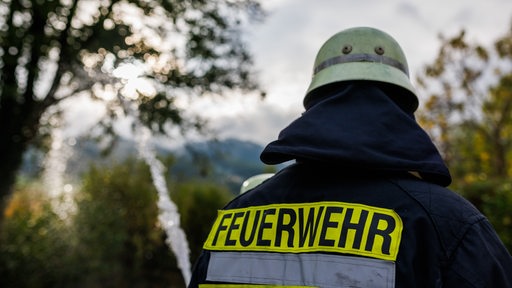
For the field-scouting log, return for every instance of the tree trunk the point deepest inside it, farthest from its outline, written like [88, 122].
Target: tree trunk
[500, 156]
[9, 166]
[12, 155]
[18, 126]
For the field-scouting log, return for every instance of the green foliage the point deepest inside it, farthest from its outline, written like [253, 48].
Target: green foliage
[494, 199]
[468, 113]
[113, 240]
[198, 203]
[55, 51]
[35, 245]
[120, 242]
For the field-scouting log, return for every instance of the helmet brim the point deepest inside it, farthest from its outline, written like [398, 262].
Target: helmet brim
[369, 71]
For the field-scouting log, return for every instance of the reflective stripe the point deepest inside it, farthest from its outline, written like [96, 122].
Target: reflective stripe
[248, 286]
[363, 57]
[319, 270]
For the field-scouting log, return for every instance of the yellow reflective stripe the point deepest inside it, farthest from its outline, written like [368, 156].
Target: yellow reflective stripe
[248, 286]
[309, 227]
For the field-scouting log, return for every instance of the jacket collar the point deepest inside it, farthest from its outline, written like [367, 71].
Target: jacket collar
[360, 126]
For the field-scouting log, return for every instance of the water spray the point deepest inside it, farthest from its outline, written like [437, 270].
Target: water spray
[61, 194]
[169, 217]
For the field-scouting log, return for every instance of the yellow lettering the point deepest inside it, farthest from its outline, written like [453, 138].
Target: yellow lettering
[337, 227]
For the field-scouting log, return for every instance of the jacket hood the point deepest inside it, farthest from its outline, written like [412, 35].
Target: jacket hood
[359, 126]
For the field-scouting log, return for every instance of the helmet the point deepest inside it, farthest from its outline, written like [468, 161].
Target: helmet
[362, 53]
[254, 181]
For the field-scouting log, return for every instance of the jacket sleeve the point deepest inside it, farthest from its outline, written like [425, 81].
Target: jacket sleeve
[200, 269]
[480, 260]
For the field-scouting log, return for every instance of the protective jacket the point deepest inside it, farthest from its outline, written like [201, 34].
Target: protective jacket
[364, 205]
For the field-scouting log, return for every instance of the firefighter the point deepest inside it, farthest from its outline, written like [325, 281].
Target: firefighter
[254, 181]
[365, 202]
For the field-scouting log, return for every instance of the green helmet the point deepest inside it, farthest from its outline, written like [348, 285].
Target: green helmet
[254, 181]
[362, 53]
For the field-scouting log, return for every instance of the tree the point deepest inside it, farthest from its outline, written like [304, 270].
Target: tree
[113, 239]
[198, 203]
[35, 242]
[55, 51]
[121, 243]
[469, 104]
[468, 113]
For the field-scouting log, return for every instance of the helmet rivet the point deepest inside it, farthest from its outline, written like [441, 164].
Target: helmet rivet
[379, 50]
[346, 49]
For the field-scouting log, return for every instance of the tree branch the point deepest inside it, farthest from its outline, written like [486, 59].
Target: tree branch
[64, 58]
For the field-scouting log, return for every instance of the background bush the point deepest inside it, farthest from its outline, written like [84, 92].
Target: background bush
[494, 199]
[114, 240]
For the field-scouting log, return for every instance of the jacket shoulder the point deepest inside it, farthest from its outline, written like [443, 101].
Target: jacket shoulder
[451, 214]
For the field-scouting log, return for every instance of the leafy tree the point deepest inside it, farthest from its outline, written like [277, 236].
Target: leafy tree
[113, 240]
[468, 105]
[35, 244]
[198, 203]
[54, 51]
[494, 199]
[121, 243]
[468, 113]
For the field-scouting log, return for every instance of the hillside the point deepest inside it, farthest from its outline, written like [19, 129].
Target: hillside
[228, 162]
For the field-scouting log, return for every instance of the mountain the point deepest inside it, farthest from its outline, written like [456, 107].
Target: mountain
[227, 162]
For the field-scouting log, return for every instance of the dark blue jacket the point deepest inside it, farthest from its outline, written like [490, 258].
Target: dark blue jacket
[349, 212]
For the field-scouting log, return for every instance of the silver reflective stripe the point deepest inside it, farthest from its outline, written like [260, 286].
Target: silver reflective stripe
[319, 270]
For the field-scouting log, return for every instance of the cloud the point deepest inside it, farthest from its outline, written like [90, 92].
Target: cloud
[285, 45]
[261, 126]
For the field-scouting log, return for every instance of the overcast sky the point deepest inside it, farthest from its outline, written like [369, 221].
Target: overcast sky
[286, 43]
